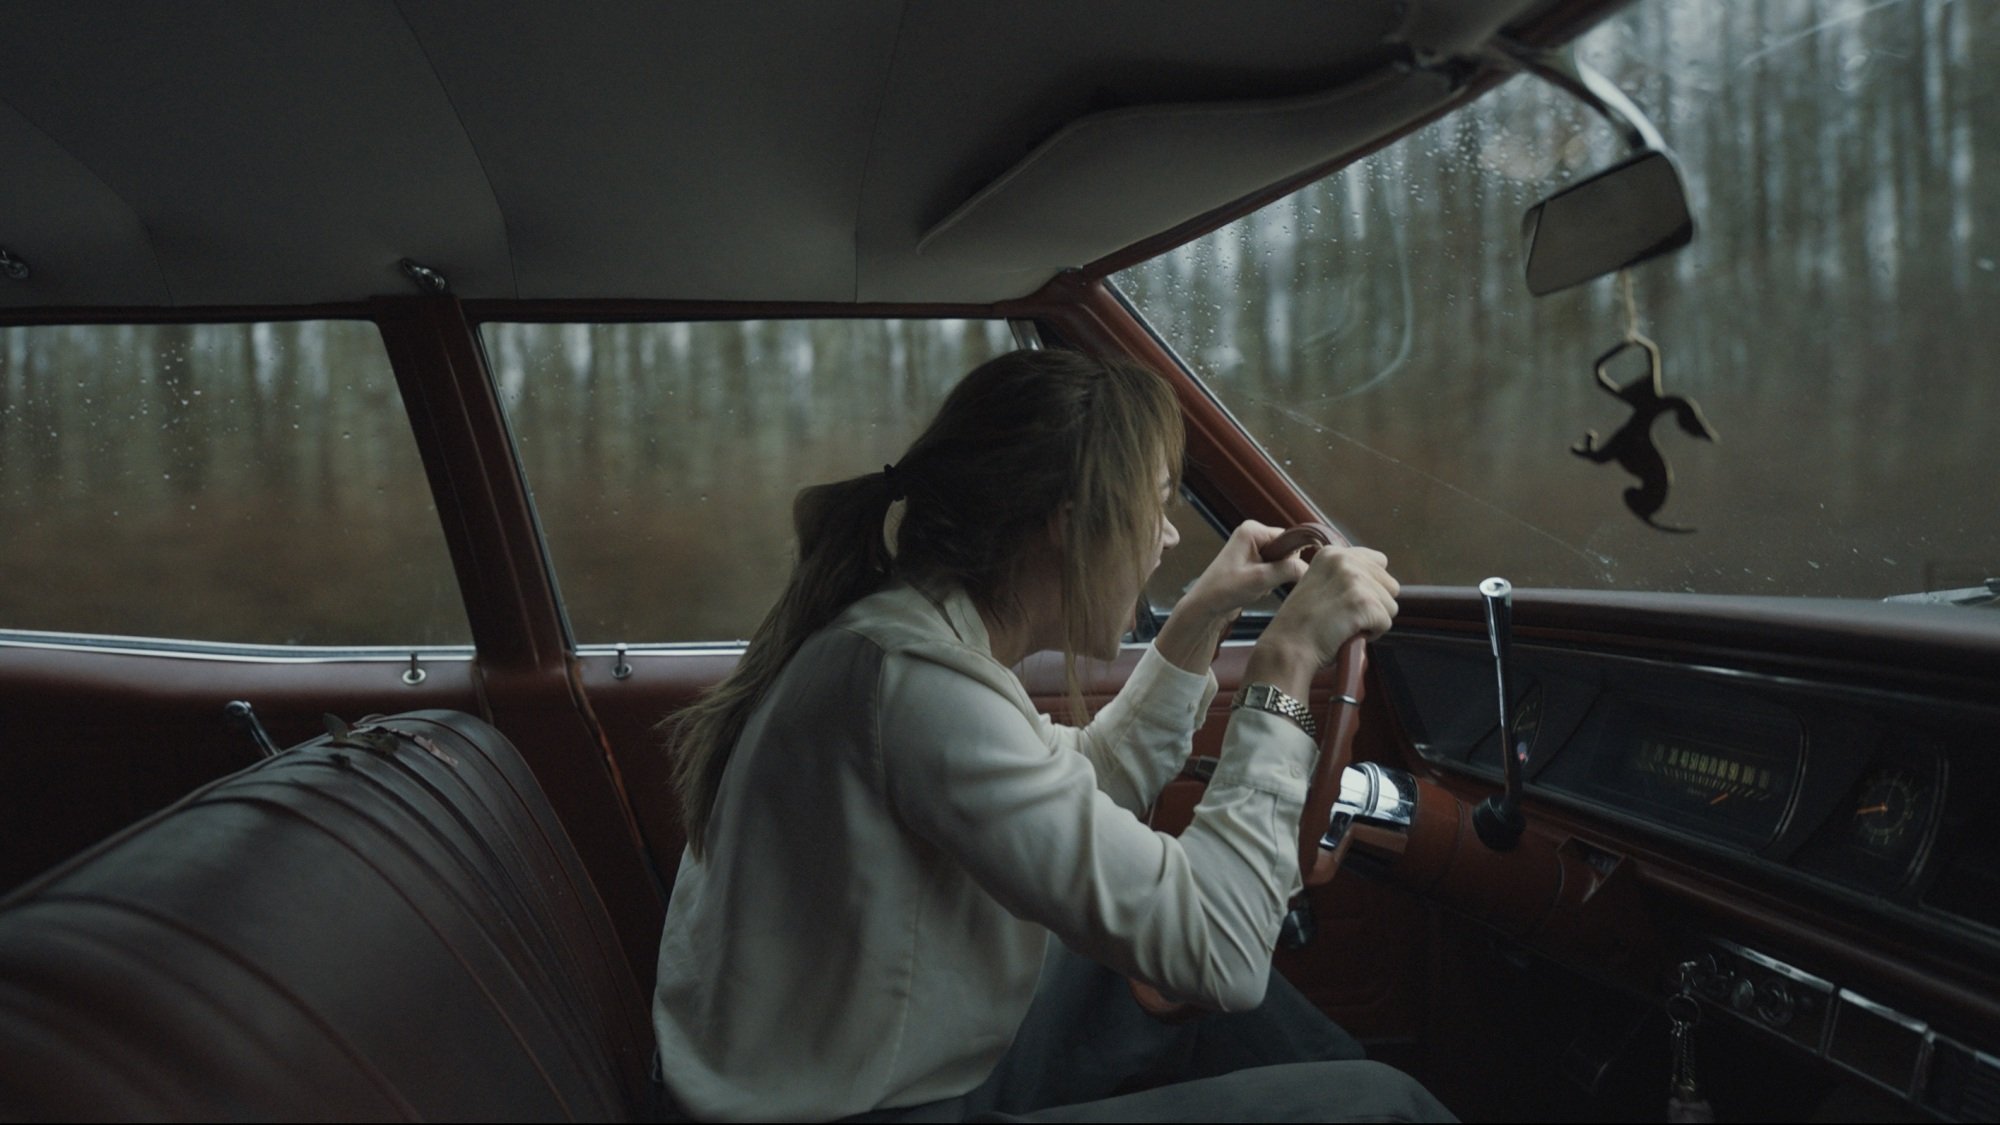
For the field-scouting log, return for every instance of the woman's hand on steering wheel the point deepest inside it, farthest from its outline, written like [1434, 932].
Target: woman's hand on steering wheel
[1345, 596]
[1238, 576]
[1346, 592]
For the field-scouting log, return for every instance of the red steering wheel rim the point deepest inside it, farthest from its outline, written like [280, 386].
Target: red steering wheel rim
[1316, 864]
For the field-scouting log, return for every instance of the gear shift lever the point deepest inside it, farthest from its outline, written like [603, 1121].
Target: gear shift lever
[1498, 819]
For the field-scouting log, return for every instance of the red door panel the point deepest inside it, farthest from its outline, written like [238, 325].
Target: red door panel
[91, 741]
[629, 710]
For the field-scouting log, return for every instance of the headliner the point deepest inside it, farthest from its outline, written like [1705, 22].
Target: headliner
[241, 152]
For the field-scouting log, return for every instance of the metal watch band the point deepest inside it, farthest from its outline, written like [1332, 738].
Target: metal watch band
[1265, 697]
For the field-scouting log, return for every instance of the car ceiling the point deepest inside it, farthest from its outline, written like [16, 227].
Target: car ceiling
[241, 152]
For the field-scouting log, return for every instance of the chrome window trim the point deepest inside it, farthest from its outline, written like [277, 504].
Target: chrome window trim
[183, 649]
[737, 648]
[664, 648]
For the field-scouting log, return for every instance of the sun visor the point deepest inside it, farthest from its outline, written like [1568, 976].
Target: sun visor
[1109, 179]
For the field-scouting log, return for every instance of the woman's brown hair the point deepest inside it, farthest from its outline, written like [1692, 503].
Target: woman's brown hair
[1027, 441]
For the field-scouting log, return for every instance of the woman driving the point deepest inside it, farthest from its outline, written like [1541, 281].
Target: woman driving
[884, 832]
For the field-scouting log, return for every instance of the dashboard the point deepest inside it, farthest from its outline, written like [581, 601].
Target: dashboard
[1877, 798]
[1831, 800]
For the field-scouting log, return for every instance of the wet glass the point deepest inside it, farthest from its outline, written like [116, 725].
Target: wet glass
[1832, 318]
[664, 457]
[248, 483]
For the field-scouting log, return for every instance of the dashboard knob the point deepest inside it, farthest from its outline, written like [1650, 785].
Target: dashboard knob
[1712, 978]
[1774, 1003]
[1743, 997]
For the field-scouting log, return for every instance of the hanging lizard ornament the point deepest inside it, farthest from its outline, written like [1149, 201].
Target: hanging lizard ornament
[1632, 444]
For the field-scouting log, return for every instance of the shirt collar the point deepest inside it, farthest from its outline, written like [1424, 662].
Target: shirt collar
[960, 612]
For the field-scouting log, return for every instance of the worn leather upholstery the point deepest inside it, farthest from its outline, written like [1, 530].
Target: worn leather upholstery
[350, 932]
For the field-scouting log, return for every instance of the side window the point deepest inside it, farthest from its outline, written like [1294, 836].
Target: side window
[664, 457]
[1374, 331]
[1200, 542]
[1182, 565]
[237, 483]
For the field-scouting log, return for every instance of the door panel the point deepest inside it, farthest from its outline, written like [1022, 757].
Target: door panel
[94, 740]
[629, 710]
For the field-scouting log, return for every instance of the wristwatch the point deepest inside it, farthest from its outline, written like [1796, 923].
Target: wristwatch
[1265, 697]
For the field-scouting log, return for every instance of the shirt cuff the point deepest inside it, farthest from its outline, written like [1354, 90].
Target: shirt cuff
[1266, 752]
[1168, 694]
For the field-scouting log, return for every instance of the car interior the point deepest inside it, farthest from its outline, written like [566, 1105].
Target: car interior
[334, 781]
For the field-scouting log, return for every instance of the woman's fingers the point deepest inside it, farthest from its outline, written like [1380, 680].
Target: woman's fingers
[1239, 575]
[1255, 534]
[1377, 614]
[1291, 568]
[1343, 589]
[1366, 593]
[1345, 592]
[1274, 573]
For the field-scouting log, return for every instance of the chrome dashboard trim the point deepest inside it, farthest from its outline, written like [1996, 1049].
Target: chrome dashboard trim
[1775, 965]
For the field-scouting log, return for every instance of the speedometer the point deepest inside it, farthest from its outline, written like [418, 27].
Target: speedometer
[1734, 787]
[1706, 774]
[1726, 772]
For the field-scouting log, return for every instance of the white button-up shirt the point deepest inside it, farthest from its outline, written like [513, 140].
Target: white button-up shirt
[899, 829]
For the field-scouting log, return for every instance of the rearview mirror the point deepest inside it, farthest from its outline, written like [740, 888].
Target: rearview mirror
[1620, 217]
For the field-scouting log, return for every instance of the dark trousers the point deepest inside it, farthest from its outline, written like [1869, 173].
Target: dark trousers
[1087, 1052]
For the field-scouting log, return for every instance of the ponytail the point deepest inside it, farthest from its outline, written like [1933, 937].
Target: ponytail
[842, 559]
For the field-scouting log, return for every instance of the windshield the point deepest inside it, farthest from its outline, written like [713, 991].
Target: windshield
[1833, 319]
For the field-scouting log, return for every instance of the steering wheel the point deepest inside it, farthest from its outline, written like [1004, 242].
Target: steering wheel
[1317, 865]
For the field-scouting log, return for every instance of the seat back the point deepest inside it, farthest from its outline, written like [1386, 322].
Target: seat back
[390, 925]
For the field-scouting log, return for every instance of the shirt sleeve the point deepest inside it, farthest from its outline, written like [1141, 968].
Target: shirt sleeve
[1196, 916]
[1137, 742]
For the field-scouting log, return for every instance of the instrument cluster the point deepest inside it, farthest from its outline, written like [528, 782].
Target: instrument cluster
[1876, 797]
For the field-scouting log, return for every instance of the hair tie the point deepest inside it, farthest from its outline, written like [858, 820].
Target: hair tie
[898, 487]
